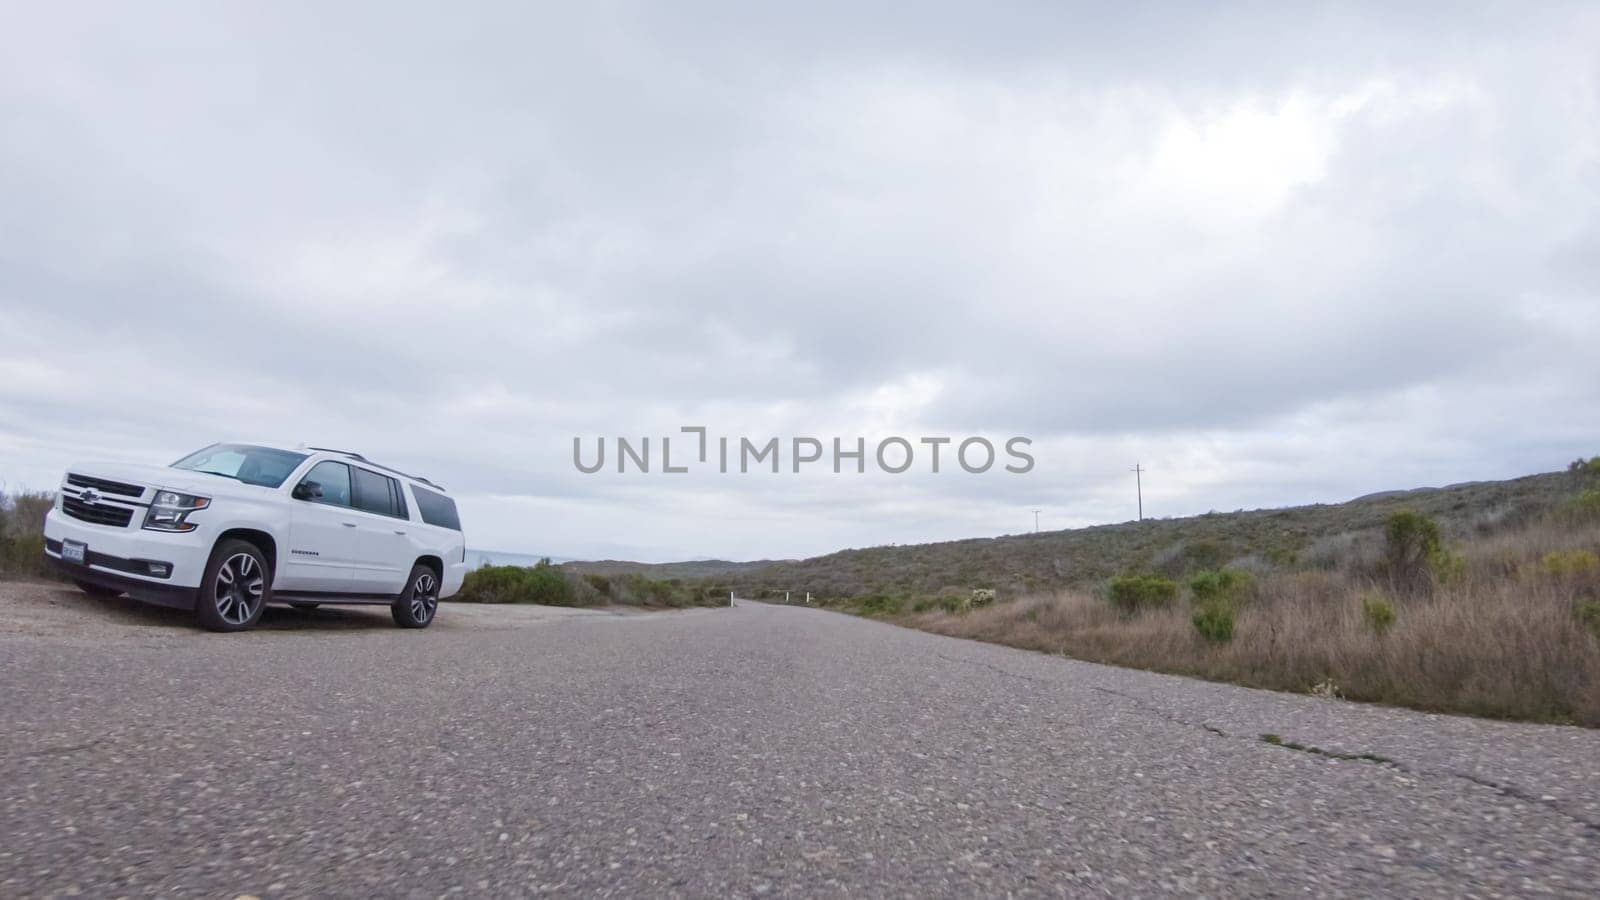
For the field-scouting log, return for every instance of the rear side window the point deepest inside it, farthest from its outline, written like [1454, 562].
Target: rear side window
[376, 493]
[436, 509]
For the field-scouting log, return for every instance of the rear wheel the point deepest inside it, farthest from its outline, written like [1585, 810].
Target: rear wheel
[96, 590]
[419, 601]
[235, 588]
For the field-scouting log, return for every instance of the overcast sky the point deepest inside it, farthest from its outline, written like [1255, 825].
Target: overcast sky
[1276, 255]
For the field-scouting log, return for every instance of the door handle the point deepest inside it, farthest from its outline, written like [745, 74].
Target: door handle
[398, 531]
[348, 524]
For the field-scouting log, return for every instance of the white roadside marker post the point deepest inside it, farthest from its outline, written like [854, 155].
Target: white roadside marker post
[730, 598]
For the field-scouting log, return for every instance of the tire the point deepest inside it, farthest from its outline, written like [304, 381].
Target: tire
[301, 604]
[96, 590]
[235, 589]
[417, 604]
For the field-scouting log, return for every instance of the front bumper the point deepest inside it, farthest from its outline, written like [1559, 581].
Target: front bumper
[119, 557]
[139, 589]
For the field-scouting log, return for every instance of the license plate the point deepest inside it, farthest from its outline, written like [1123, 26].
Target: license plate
[74, 551]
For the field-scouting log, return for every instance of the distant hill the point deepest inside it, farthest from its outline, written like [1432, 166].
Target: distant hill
[1080, 557]
[479, 558]
[693, 569]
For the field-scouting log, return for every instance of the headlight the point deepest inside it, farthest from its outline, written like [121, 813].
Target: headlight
[170, 510]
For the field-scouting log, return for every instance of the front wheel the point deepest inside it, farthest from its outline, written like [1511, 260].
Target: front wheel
[235, 588]
[419, 601]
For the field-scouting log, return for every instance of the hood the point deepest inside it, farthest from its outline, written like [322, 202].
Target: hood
[168, 477]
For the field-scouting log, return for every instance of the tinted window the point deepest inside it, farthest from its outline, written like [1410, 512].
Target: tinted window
[436, 509]
[249, 464]
[334, 478]
[374, 492]
[399, 499]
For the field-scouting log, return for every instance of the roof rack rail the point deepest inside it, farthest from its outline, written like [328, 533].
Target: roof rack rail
[350, 453]
[354, 455]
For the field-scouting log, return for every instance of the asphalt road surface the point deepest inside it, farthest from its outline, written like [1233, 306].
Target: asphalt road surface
[749, 751]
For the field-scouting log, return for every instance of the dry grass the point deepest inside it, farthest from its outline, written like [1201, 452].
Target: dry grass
[1499, 638]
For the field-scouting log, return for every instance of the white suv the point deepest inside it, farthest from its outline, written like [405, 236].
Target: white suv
[233, 527]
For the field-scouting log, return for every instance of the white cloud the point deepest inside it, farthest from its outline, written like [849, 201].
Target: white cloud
[1276, 256]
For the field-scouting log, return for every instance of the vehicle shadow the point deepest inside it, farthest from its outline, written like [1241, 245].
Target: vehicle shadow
[124, 610]
[325, 618]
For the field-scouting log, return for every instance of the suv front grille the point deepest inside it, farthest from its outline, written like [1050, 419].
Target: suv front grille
[104, 485]
[99, 514]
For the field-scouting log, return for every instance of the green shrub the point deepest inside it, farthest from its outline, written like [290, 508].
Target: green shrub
[1567, 563]
[1447, 566]
[1412, 546]
[879, 605]
[1132, 593]
[1377, 611]
[1588, 612]
[22, 536]
[599, 583]
[926, 604]
[1584, 507]
[1226, 585]
[1214, 621]
[544, 584]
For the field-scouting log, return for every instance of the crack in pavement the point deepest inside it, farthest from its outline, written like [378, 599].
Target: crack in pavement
[992, 667]
[62, 750]
[1508, 791]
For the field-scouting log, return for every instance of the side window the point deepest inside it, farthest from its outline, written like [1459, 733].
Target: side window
[375, 493]
[334, 478]
[436, 509]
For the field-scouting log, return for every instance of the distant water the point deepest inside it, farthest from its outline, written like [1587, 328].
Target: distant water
[477, 559]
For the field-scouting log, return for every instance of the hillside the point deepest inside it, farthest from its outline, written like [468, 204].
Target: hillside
[1313, 535]
[687, 570]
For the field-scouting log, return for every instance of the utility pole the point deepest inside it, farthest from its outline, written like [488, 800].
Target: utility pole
[1138, 482]
[1036, 521]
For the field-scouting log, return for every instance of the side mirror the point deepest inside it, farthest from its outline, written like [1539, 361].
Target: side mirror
[307, 490]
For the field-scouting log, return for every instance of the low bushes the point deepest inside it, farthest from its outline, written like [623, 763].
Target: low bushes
[22, 535]
[1132, 593]
[1214, 621]
[1222, 585]
[1377, 611]
[879, 605]
[544, 584]
[1569, 563]
[1218, 594]
[551, 585]
[1412, 544]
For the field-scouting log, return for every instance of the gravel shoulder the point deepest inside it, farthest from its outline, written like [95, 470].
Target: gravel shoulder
[757, 750]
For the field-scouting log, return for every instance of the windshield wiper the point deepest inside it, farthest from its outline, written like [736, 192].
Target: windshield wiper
[222, 474]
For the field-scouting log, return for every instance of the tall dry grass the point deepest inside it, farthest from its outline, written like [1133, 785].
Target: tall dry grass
[1498, 636]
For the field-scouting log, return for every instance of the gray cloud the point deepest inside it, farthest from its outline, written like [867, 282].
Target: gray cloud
[1279, 254]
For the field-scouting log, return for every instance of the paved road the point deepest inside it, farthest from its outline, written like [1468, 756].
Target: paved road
[752, 751]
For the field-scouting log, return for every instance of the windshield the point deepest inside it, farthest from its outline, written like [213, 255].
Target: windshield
[265, 466]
